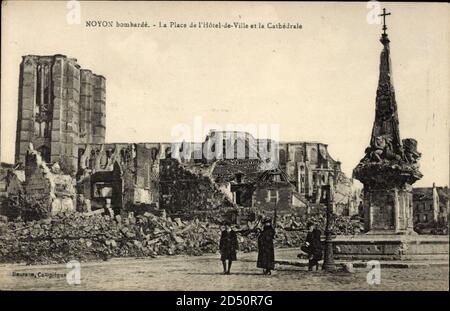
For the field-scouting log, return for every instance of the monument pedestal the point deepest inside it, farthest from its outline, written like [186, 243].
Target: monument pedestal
[388, 199]
[388, 211]
[388, 219]
[391, 247]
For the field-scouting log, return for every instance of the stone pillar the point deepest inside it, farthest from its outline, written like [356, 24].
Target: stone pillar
[436, 209]
[69, 127]
[25, 119]
[58, 74]
[396, 210]
[86, 105]
[308, 180]
[98, 116]
[299, 177]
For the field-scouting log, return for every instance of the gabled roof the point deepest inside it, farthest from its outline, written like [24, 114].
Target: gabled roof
[420, 194]
[276, 174]
[426, 193]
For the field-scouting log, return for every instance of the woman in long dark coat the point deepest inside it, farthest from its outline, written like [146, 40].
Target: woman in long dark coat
[266, 252]
[228, 246]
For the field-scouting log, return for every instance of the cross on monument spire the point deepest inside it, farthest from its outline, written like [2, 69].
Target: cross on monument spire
[384, 20]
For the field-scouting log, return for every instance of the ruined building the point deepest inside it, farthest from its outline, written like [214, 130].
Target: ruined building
[431, 208]
[60, 106]
[62, 118]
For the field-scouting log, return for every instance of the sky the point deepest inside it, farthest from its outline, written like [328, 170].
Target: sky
[317, 83]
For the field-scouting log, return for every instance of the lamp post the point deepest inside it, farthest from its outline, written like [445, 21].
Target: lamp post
[275, 215]
[275, 212]
[328, 262]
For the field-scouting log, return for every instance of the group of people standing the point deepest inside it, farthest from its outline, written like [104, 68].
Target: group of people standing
[266, 252]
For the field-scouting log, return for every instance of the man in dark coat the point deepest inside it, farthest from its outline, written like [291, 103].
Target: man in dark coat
[313, 247]
[228, 246]
[266, 252]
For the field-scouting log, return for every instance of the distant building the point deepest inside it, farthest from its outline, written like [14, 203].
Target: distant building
[431, 207]
[307, 166]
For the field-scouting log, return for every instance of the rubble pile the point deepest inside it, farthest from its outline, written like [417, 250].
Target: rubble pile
[93, 236]
[342, 225]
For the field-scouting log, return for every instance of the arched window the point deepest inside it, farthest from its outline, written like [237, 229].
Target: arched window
[313, 155]
[41, 129]
[168, 152]
[153, 154]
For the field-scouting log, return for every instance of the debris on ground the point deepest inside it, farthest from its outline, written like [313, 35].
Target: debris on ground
[93, 236]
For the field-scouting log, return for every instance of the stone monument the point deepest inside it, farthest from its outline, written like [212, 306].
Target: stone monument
[390, 165]
[388, 170]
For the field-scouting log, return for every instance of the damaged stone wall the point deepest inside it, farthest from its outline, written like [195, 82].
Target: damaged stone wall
[132, 171]
[64, 195]
[39, 185]
[180, 189]
[271, 196]
[228, 170]
[43, 192]
[346, 196]
[147, 175]
[13, 191]
[60, 105]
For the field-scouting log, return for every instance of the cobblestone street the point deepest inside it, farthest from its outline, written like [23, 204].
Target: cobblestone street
[204, 273]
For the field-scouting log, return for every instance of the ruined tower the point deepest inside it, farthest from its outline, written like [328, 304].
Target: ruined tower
[390, 165]
[60, 105]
